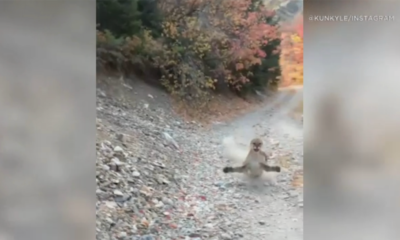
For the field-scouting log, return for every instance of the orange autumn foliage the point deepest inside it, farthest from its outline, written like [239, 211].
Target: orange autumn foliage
[291, 60]
[212, 42]
[198, 47]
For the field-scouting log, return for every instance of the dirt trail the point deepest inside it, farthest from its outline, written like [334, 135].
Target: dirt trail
[197, 200]
[262, 211]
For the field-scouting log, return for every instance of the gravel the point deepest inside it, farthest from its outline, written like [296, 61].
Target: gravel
[159, 177]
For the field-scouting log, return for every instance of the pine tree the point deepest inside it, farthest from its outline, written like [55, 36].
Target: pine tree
[121, 17]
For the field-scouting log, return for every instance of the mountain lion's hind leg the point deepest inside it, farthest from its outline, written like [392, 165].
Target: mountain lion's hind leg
[270, 168]
[234, 169]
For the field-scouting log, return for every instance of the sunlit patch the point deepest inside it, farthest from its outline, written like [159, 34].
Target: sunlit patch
[298, 180]
[284, 161]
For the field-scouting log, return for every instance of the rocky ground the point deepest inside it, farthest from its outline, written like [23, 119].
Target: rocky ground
[160, 177]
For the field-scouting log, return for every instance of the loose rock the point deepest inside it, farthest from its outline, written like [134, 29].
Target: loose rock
[151, 188]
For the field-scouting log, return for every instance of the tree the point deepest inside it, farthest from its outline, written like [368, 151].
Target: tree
[291, 59]
[268, 72]
[212, 41]
[151, 16]
[121, 17]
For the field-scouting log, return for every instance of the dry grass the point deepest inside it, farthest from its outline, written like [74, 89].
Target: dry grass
[298, 179]
[219, 109]
[285, 161]
[299, 108]
[297, 112]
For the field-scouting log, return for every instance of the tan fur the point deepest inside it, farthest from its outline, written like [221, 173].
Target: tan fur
[255, 163]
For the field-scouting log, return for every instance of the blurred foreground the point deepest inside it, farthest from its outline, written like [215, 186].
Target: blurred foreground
[352, 138]
[47, 123]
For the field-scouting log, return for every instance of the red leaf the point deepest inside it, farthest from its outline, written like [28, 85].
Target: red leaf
[173, 226]
[203, 198]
